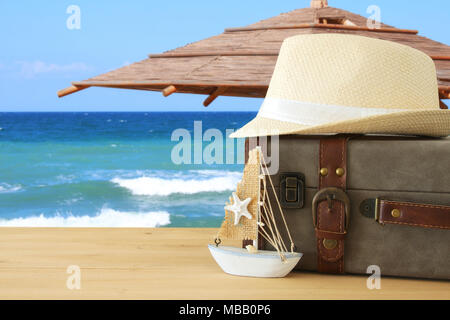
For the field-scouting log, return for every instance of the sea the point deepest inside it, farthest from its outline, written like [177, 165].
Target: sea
[118, 169]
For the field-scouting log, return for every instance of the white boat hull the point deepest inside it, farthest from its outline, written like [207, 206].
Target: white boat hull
[263, 264]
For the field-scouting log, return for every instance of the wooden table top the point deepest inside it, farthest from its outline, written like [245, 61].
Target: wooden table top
[162, 264]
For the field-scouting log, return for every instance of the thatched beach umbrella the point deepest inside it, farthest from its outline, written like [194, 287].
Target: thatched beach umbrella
[240, 61]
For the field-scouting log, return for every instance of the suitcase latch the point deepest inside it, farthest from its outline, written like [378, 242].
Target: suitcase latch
[292, 190]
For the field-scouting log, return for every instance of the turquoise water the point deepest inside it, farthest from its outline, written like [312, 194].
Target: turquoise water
[110, 170]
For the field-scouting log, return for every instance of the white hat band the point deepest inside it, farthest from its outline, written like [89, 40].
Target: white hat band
[313, 114]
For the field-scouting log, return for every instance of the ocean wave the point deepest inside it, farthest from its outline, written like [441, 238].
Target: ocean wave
[107, 218]
[216, 173]
[7, 188]
[155, 186]
[66, 178]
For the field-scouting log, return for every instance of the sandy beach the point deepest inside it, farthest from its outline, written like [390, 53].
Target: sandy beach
[162, 264]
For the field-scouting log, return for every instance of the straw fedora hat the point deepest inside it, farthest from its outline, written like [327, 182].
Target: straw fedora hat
[334, 83]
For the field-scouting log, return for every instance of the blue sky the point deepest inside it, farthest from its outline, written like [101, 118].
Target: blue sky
[40, 55]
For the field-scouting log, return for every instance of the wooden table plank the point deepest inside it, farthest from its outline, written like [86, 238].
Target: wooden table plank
[162, 264]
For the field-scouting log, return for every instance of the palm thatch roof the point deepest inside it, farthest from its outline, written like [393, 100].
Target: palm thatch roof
[240, 61]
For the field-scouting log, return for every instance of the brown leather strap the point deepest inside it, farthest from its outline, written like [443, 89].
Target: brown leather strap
[331, 215]
[413, 214]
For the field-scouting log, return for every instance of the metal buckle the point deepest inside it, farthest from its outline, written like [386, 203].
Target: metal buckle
[370, 208]
[330, 194]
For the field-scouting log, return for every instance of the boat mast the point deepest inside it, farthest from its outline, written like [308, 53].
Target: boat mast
[258, 211]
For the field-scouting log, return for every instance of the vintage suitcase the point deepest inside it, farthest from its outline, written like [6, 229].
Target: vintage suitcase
[357, 201]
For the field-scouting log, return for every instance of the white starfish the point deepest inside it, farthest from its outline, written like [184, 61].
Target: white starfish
[239, 208]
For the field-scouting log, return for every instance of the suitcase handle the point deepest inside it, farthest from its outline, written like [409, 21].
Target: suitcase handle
[407, 213]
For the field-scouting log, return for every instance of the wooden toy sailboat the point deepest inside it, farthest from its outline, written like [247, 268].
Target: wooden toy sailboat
[249, 215]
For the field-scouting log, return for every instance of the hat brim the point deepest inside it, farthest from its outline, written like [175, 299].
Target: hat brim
[433, 123]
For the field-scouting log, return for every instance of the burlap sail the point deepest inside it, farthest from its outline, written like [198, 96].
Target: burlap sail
[248, 188]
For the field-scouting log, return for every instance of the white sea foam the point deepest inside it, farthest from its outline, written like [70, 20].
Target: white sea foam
[214, 181]
[7, 188]
[107, 218]
[72, 201]
[66, 178]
